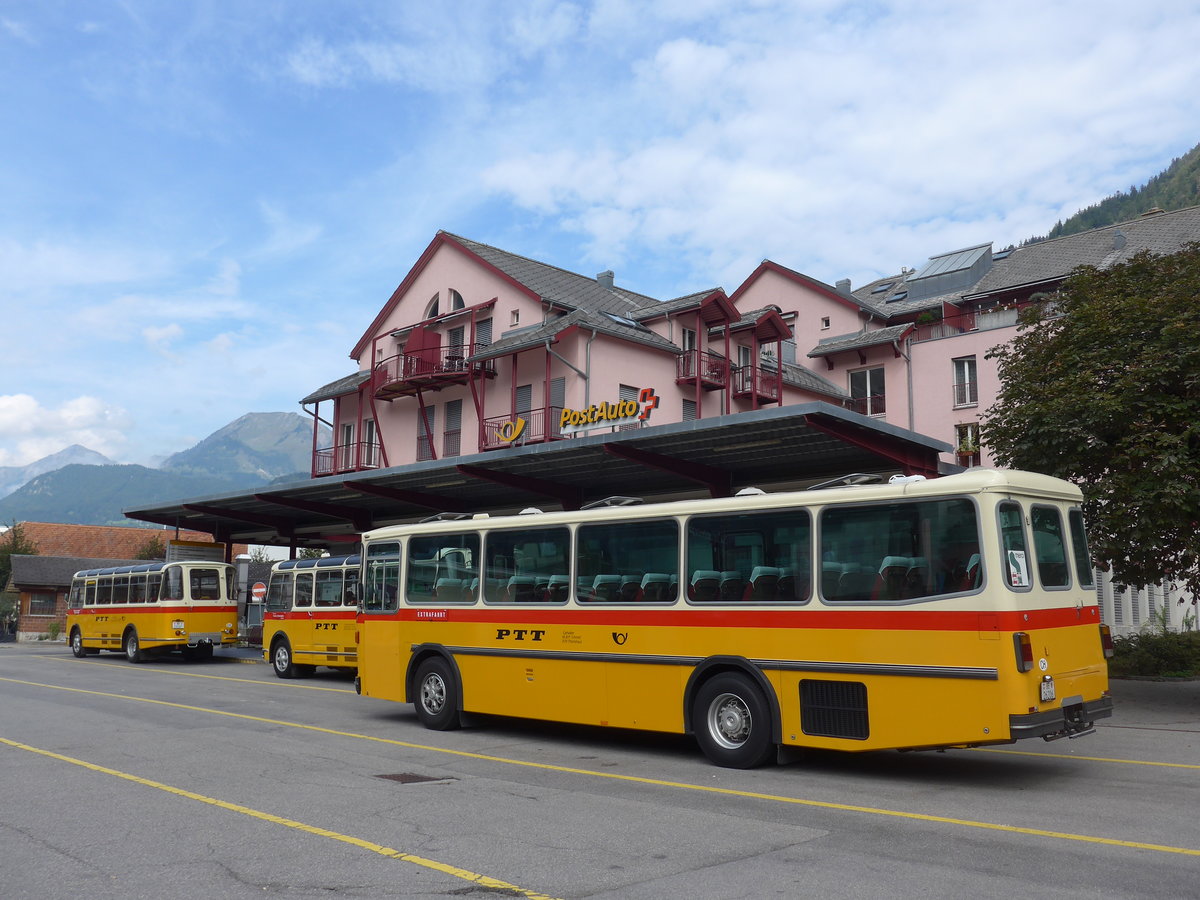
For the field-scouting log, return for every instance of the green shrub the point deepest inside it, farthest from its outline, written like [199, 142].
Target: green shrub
[1156, 654]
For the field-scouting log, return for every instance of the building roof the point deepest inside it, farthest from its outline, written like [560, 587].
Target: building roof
[589, 320]
[56, 571]
[347, 385]
[99, 541]
[1157, 232]
[859, 340]
[1044, 262]
[555, 285]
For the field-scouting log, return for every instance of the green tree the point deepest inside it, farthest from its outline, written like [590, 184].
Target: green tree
[12, 542]
[153, 548]
[1101, 386]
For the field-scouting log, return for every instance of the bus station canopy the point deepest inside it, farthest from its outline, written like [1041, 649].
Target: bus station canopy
[773, 449]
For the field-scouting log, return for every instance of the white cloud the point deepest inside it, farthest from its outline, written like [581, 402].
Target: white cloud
[34, 431]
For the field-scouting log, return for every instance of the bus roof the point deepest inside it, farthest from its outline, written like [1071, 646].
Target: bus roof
[973, 481]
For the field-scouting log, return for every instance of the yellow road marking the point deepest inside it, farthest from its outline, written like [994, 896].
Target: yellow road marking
[126, 667]
[484, 881]
[1103, 759]
[636, 779]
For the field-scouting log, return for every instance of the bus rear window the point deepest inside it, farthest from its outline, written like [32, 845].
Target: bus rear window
[1050, 546]
[205, 584]
[890, 552]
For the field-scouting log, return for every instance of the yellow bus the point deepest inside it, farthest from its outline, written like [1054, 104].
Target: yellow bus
[154, 607]
[951, 612]
[309, 616]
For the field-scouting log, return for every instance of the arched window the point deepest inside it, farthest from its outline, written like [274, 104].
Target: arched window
[432, 309]
[456, 300]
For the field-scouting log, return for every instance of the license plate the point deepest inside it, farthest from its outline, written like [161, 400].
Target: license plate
[1047, 688]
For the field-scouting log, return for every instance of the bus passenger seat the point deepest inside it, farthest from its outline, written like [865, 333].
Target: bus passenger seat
[763, 585]
[705, 585]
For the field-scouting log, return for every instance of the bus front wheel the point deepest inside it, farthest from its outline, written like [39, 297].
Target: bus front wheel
[133, 649]
[437, 690]
[732, 722]
[281, 659]
[77, 643]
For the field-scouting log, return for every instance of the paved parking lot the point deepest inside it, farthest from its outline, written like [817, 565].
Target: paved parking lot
[175, 779]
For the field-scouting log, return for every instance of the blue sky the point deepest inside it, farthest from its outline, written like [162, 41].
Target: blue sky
[204, 204]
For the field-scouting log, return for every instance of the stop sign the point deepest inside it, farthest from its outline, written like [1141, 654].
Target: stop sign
[259, 590]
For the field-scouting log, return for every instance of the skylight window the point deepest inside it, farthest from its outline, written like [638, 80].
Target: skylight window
[621, 320]
[899, 296]
[1003, 254]
[886, 286]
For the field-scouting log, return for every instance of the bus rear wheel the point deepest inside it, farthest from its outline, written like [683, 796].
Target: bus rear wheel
[133, 649]
[437, 693]
[732, 722]
[77, 643]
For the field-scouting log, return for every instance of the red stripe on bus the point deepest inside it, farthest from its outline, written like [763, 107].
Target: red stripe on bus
[874, 619]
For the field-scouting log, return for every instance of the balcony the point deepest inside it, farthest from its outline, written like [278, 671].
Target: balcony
[754, 381]
[541, 426]
[711, 370]
[874, 405]
[341, 458]
[406, 374]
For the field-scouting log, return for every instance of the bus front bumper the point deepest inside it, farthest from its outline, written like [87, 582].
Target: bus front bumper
[1071, 720]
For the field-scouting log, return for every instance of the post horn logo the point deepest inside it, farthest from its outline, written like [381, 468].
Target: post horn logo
[510, 431]
[620, 638]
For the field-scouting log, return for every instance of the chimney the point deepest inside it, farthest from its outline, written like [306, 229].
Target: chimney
[843, 284]
[605, 279]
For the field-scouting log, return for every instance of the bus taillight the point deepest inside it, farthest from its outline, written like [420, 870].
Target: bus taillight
[1024, 649]
[1106, 640]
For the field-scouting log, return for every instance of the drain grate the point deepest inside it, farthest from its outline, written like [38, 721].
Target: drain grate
[412, 778]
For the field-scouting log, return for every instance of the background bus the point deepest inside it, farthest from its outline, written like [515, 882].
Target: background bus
[958, 611]
[309, 619]
[154, 607]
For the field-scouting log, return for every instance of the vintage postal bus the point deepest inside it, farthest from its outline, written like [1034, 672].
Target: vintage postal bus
[309, 616]
[155, 607]
[951, 612]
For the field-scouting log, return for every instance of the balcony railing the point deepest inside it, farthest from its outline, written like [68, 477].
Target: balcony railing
[755, 380]
[712, 370]
[874, 405]
[541, 425]
[353, 457]
[434, 368]
[966, 393]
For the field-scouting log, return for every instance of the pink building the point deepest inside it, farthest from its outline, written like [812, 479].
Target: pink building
[479, 349]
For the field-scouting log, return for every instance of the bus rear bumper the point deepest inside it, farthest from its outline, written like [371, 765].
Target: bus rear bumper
[1072, 720]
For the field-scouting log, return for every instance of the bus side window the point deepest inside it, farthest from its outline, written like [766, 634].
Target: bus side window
[442, 568]
[172, 583]
[329, 588]
[1079, 547]
[279, 593]
[304, 589]
[1013, 546]
[381, 577]
[631, 562]
[153, 582]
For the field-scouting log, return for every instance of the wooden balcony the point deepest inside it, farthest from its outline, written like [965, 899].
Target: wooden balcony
[358, 456]
[541, 426]
[755, 382]
[711, 370]
[405, 374]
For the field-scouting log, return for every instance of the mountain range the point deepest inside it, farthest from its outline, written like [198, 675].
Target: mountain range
[79, 486]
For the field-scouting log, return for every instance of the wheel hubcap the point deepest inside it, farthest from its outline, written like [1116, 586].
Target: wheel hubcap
[729, 721]
[433, 694]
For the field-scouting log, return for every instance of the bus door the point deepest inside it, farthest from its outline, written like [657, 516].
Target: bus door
[304, 640]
